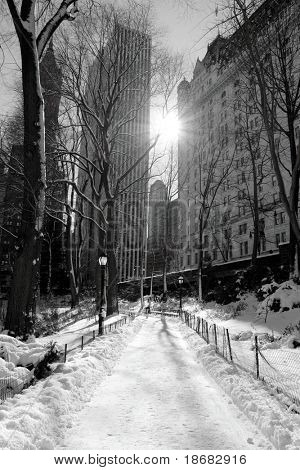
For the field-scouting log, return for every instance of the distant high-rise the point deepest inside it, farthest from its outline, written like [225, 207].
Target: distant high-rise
[164, 223]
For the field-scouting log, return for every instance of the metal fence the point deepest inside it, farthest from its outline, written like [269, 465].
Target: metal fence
[278, 368]
[83, 340]
[11, 385]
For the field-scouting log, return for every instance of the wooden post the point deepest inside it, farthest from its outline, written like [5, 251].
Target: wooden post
[94, 335]
[81, 343]
[66, 351]
[256, 357]
[207, 333]
[216, 337]
[229, 344]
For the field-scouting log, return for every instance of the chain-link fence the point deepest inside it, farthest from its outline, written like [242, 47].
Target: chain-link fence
[11, 385]
[279, 368]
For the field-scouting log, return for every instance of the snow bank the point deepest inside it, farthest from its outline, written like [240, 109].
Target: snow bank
[286, 297]
[15, 356]
[38, 418]
[249, 395]
[19, 353]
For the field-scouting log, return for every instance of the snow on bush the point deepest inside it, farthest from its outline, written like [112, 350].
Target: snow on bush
[13, 378]
[242, 336]
[249, 395]
[19, 353]
[39, 417]
[266, 289]
[286, 297]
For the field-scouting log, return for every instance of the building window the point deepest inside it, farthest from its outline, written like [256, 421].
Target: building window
[241, 249]
[277, 239]
[230, 251]
[283, 237]
[263, 244]
[244, 248]
[279, 218]
[188, 260]
[242, 229]
[242, 210]
[259, 170]
[205, 242]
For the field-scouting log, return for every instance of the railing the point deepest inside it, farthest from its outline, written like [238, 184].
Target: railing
[83, 340]
[11, 385]
[278, 368]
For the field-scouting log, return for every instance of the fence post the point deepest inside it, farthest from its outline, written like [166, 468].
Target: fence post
[94, 334]
[81, 343]
[229, 344]
[216, 337]
[207, 332]
[66, 351]
[256, 357]
[198, 325]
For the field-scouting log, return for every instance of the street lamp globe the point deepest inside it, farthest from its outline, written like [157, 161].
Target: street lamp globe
[180, 280]
[103, 260]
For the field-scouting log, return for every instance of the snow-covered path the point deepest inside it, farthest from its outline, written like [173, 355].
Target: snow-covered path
[158, 397]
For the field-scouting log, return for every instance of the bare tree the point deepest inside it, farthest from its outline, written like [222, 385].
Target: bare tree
[212, 173]
[32, 41]
[104, 82]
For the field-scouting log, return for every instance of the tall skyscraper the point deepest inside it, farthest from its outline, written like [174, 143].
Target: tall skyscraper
[120, 76]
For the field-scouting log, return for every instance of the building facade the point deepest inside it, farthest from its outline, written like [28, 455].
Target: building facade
[227, 175]
[164, 221]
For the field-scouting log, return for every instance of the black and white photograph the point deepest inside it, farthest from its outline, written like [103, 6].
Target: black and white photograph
[149, 233]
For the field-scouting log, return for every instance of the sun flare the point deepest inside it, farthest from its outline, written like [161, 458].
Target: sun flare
[168, 127]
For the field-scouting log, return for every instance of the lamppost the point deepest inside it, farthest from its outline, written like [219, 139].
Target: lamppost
[180, 282]
[101, 291]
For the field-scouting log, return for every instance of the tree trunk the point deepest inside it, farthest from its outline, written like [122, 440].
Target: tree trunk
[165, 283]
[200, 288]
[256, 233]
[200, 265]
[49, 278]
[25, 282]
[72, 277]
[112, 288]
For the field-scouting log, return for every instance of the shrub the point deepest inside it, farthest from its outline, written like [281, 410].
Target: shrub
[43, 369]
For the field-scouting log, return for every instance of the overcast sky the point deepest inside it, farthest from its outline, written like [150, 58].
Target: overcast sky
[184, 30]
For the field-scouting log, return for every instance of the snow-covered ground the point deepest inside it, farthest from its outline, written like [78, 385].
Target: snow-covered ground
[39, 417]
[282, 427]
[279, 361]
[158, 397]
[157, 390]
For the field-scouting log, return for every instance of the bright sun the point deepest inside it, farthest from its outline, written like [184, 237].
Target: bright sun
[168, 127]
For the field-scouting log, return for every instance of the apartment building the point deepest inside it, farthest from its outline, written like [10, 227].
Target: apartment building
[227, 182]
